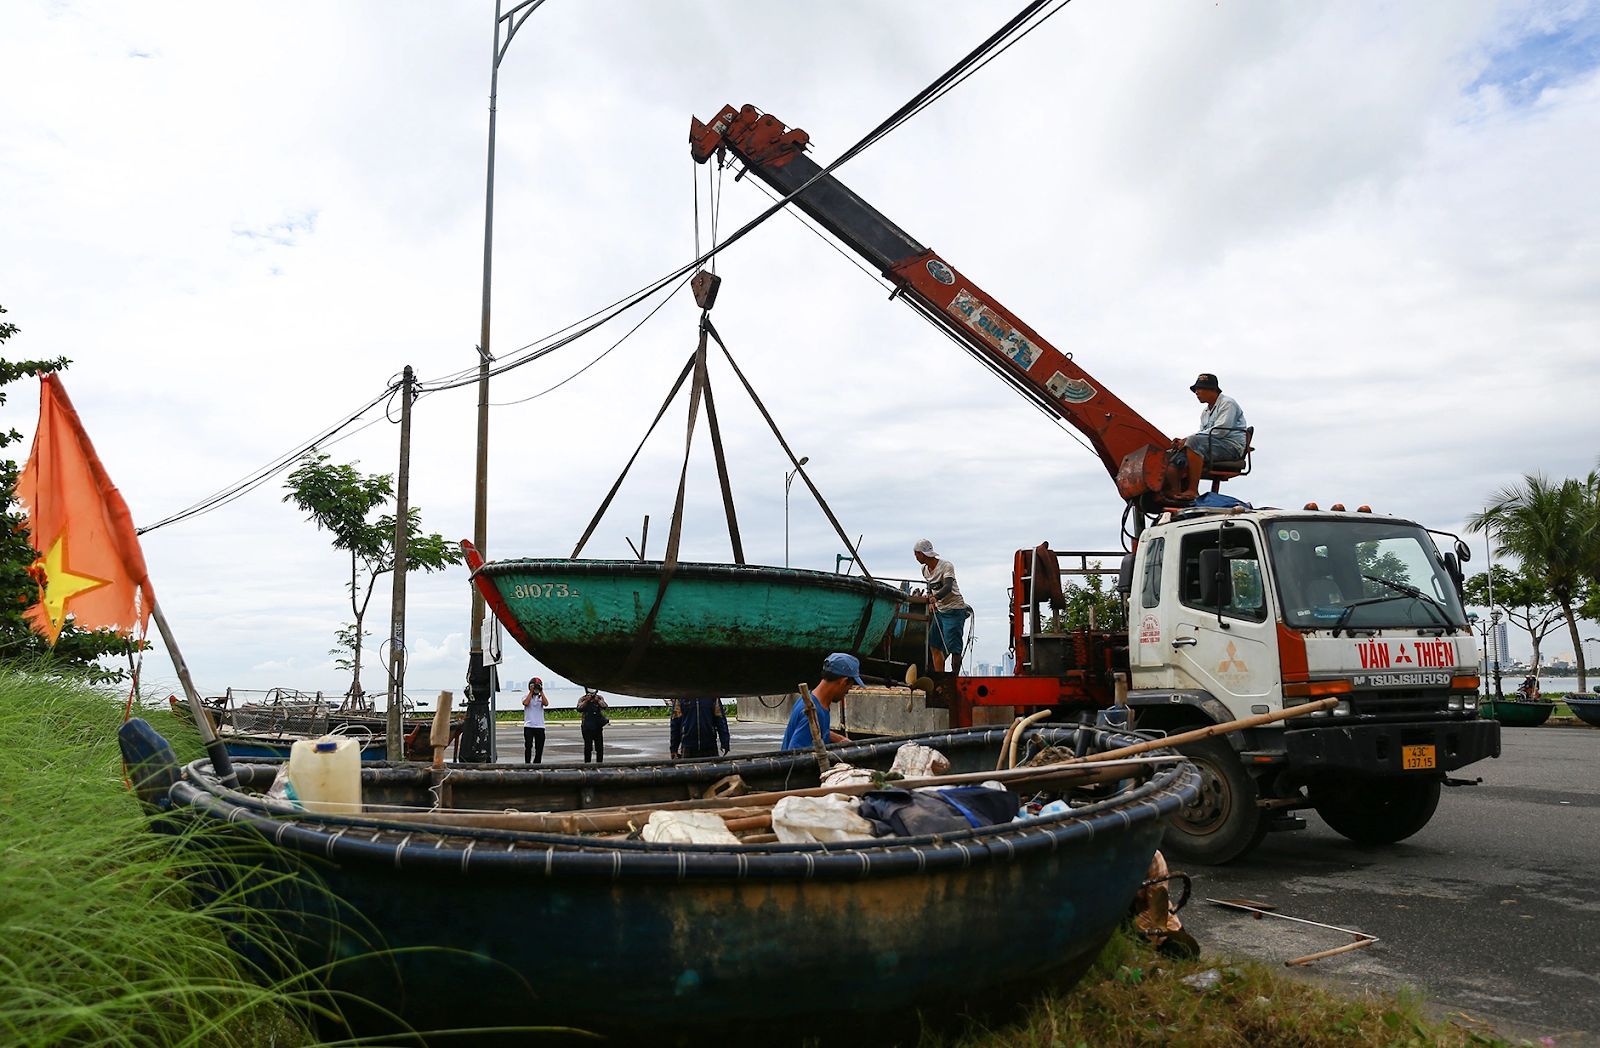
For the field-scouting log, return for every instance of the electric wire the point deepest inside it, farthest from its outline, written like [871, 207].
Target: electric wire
[626, 335]
[974, 59]
[260, 476]
[997, 43]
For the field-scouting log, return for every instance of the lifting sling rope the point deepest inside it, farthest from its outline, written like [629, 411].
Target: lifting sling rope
[700, 389]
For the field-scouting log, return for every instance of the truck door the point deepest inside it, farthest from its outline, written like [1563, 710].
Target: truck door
[1148, 643]
[1224, 633]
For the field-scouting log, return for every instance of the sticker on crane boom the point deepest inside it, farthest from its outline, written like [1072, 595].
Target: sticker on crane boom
[940, 272]
[1072, 390]
[994, 329]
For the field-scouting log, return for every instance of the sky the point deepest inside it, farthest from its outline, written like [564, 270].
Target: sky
[1374, 221]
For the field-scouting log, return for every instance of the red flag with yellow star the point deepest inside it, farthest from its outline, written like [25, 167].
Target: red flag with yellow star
[90, 565]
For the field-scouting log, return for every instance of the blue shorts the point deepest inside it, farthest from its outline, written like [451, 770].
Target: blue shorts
[948, 629]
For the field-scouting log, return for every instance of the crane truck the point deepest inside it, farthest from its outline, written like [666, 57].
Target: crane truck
[1230, 610]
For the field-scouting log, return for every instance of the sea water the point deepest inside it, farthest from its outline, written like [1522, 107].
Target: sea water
[561, 698]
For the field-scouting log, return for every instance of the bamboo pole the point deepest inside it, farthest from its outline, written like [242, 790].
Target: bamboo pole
[599, 820]
[1225, 728]
[439, 733]
[220, 762]
[819, 745]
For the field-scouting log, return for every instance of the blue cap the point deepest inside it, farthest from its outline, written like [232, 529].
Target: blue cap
[844, 666]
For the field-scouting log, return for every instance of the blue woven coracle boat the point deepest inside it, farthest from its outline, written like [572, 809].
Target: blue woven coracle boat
[496, 926]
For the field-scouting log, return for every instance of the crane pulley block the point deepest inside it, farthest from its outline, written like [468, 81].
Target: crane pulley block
[705, 285]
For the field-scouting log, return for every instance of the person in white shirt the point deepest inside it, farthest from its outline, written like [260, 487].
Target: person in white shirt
[947, 625]
[533, 705]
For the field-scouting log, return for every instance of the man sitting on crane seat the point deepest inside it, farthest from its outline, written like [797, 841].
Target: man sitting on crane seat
[1222, 437]
[1222, 423]
[947, 623]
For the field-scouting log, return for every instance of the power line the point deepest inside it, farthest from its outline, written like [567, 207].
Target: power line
[996, 44]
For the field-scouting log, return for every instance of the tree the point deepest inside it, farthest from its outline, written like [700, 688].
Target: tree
[1526, 601]
[1550, 528]
[75, 651]
[1090, 605]
[341, 500]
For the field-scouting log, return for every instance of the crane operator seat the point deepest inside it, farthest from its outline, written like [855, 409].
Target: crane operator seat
[1219, 470]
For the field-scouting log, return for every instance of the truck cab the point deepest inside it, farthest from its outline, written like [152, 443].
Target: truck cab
[1239, 612]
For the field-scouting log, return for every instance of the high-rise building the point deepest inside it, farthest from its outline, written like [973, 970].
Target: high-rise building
[1500, 653]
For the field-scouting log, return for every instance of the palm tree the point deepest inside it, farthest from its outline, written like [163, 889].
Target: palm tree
[1552, 529]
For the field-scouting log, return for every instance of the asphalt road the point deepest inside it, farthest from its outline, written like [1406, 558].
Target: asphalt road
[1492, 911]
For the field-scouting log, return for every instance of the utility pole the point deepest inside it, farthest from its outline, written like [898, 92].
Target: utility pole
[397, 612]
[477, 738]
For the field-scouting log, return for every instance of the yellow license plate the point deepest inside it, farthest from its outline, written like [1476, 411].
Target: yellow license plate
[1417, 758]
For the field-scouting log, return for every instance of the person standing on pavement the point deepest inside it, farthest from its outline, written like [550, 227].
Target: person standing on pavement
[947, 625]
[593, 709]
[533, 706]
[839, 673]
[698, 725]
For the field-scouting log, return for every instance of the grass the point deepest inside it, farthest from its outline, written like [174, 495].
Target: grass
[101, 940]
[1135, 997]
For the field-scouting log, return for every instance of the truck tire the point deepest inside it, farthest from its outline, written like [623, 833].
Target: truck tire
[1224, 823]
[1379, 812]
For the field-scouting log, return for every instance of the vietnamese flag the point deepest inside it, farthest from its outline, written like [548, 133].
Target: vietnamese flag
[90, 565]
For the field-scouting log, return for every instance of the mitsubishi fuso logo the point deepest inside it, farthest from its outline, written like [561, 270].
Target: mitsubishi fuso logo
[1233, 663]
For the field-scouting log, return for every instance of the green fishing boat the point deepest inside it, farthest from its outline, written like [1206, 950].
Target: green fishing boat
[712, 629]
[1518, 713]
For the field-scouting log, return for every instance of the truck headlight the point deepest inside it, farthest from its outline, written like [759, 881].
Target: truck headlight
[1455, 702]
[1342, 709]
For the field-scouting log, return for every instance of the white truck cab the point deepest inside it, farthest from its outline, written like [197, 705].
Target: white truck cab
[1239, 612]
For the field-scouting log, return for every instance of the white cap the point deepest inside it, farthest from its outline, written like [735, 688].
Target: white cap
[925, 547]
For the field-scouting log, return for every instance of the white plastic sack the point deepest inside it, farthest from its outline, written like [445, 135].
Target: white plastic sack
[845, 775]
[819, 820]
[915, 761]
[687, 827]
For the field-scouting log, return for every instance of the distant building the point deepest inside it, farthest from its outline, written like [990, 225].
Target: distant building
[1500, 652]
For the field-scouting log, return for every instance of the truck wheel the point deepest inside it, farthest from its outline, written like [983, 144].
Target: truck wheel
[1380, 812]
[1224, 823]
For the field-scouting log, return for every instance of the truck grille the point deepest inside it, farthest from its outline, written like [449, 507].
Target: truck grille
[1397, 705]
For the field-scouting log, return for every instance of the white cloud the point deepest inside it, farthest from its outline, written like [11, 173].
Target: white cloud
[1374, 223]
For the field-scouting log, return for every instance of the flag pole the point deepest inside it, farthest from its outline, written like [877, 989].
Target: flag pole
[214, 747]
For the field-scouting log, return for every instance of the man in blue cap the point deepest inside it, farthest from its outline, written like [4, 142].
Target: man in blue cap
[840, 672]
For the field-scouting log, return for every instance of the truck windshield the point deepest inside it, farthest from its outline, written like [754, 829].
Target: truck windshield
[1360, 575]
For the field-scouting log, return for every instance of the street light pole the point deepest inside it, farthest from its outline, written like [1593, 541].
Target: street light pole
[477, 738]
[1483, 631]
[788, 479]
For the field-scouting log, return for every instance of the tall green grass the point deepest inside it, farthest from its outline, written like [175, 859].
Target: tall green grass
[102, 940]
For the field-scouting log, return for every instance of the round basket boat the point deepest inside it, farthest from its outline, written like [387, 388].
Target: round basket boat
[642, 940]
[1518, 713]
[721, 630]
[1584, 707]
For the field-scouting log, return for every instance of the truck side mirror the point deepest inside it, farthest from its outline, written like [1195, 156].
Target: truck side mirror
[1125, 576]
[1215, 585]
[1463, 552]
[1453, 567]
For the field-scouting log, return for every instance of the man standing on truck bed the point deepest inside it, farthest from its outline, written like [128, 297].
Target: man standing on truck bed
[947, 623]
